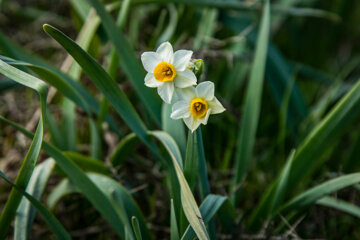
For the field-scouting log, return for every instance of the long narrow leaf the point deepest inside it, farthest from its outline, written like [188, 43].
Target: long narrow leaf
[51, 221]
[81, 180]
[128, 61]
[249, 124]
[29, 162]
[312, 195]
[26, 212]
[189, 204]
[342, 114]
[104, 83]
[112, 190]
[340, 205]
[208, 208]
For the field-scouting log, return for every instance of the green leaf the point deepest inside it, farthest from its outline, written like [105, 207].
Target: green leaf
[104, 83]
[113, 191]
[209, 207]
[128, 61]
[282, 184]
[174, 232]
[50, 220]
[310, 196]
[206, 27]
[175, 128]
[29, 162]
[25, 213]
[204, 181]
[340, 205]
[136, 227]
[268, 205]
[189, 204]
[81, 180]
[88, 163]
[315, 144]
[246, 138]
[278, 72]
[191, 168]
[171, 27]
[67, 86]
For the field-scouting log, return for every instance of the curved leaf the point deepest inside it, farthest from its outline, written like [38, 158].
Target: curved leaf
[25, 213]
[29, 162]
[129, 63]
[340, 205]
[211, 204]
[103, 82]
[189, 204]
[81, 180]
[51, 221]
[112, 190]
[312, 195]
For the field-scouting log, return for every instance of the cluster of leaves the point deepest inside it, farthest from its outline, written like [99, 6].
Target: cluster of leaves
[288, 186]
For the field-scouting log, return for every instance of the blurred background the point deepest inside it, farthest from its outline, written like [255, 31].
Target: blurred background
[313, 60]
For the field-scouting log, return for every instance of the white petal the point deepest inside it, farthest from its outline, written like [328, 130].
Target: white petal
[150, 60]
[186, 94]
[192, 123]
[166, 52]
[166, 91]
[205, 119]
[180, 109]
[150, 81]
[216, 106]
[182, 59]
[206, 90]
[185, 79]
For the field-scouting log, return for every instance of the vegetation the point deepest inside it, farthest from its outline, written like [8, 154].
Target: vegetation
[97, 154]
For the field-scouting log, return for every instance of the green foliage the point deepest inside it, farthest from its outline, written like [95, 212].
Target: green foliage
[286, 72]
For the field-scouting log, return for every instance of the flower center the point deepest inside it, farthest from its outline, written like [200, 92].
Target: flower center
[164, 72]
[198, 107]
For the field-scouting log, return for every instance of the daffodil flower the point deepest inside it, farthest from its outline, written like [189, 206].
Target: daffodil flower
[167, 70]
[196, 105]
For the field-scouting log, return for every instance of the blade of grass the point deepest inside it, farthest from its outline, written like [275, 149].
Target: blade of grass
[246, 137]
[80, 179]
[128, 61]
[191, 160]
[281, 186]
[25, 213]
[112, 190]
[32, 155]
[208, 208]
[304, 163]
[310, 196]
[174, 232]
[189, 204]
[204, 181]
[171, 27]
[340, 205]
[136, 228]
[51, 221]
[206, 27]
[173, 127]
[66, 86]
[104, 83]
[278, 72]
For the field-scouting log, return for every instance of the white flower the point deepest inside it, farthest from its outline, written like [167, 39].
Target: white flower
[167, 70]
[196, 105]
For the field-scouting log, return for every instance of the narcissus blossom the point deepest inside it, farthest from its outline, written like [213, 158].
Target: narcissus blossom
[167, 70]
[196, 105]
